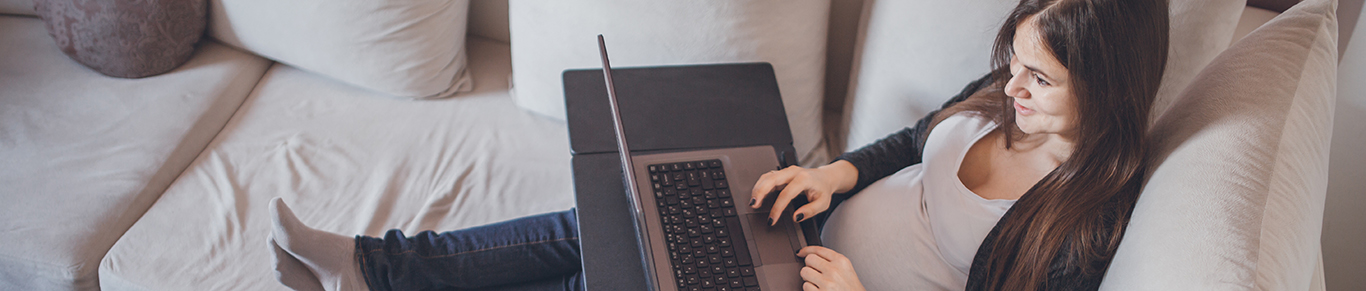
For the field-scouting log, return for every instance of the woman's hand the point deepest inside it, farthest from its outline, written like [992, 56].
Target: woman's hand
[827, 270]
[817, 184]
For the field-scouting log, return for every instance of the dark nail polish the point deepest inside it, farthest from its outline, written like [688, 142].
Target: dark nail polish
[751, 202]
[799, 217]
[770, 221]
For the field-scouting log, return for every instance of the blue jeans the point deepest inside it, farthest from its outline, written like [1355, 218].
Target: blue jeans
[532, 253]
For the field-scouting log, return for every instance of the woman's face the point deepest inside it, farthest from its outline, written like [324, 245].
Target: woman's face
[1039, 85]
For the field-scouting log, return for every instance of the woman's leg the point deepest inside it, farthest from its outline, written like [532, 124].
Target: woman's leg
[566, 282]
[532, 253]
[326, 257]
[504, 254]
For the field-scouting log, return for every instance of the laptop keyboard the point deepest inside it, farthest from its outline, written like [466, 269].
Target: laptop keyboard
[706, 245]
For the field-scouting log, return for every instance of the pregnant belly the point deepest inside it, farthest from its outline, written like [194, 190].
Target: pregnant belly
[884, 232]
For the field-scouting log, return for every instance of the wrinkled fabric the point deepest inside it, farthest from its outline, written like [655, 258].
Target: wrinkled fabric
[83, 155]
[347, 161]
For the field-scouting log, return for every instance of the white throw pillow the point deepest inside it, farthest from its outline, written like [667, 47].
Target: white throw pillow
[17, 7]
[917, 54]
[403, 48]
[1235, 199]
[549, 37]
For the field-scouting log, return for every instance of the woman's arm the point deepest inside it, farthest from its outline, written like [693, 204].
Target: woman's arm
[850, 172]
[901, 149]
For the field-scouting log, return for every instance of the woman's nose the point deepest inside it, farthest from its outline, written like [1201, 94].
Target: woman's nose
[1014, 87]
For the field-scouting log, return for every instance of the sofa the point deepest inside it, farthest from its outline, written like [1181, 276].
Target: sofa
[161, 182]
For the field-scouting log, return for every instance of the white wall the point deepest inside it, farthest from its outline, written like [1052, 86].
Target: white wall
[1344, 221]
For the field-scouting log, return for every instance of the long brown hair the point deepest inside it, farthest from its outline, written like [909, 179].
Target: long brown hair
[1115, 52]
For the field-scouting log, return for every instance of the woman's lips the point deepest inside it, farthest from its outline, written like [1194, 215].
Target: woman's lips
[1023, 110]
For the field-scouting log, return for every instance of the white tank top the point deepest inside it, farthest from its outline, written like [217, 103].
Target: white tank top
[919, 228]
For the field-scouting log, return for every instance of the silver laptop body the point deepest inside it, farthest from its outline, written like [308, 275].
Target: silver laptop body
[771, 250]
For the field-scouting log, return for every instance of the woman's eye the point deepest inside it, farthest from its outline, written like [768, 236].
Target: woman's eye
[1037, 79]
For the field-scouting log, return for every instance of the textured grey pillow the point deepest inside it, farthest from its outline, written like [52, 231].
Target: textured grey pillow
[125, 38]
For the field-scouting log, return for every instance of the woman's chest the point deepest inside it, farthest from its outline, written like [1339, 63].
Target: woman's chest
[991, 171]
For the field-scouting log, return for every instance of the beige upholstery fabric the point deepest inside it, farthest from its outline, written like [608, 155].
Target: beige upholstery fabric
[551, 36]
[917, 54]
[17, 7]
[348, 162]
[83, 155]
[1235, 201]
[1252, 18]
[1200, 30]
[401, 48]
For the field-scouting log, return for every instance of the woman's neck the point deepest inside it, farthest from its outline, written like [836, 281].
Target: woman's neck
[1050, 147]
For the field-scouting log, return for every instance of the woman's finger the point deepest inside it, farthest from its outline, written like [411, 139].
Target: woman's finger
[797, 186]
[815, 205]
[813, 276]
[808, 286]
[767, 183]
[816, 262]
[824, 252]
[808, 250]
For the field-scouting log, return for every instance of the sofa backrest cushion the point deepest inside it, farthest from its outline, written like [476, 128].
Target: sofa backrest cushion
[1235, 198]
[125, 39]
[403, 48]
[549, 37]
[916, 54]
[17, 7]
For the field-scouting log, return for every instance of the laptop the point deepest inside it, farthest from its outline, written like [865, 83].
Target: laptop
[690, 210]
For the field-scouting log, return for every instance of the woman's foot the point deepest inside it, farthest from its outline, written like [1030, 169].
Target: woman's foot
[291, 272]
[329, 256]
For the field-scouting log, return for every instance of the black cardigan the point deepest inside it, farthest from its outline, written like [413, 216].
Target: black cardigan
[906, 147]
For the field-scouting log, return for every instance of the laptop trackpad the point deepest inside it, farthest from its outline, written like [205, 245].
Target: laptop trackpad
[773, 242]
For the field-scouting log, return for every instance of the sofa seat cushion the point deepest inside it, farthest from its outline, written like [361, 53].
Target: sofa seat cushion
[349, 163]
[83, 155]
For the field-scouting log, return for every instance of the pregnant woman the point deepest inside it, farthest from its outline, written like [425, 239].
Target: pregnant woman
[1027, 182]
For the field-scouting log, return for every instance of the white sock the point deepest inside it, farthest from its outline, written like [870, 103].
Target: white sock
[291, 272]
[330, 256]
